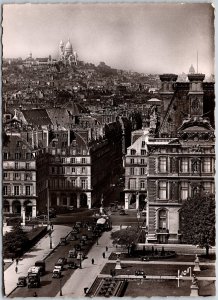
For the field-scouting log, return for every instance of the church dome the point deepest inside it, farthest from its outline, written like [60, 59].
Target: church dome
[69, 48]
[61, 43]
[191, 70]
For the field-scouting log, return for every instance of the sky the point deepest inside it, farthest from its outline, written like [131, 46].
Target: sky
[142, 37]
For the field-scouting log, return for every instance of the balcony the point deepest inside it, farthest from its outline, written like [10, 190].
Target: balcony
[162, 231]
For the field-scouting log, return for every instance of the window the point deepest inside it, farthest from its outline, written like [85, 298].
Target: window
[16, 176]
[163, 190]
[132, 152]
[184, 190]
[207, 165]
[28, 156]
[53, 170]
[132, 161]
[132, 184]
[83, 160]
[73, 182]
[5, 155]
[83, 170]
[5, 190]
[16, 165]
[5, 175]
[27, 176]
[207, 187]
[143, 144]
[73, 170]
[142, 161]
[163, 164]
[84, 183]
[162, 219]
[27, 190]
[27, 165]
[184, 165]
[63, 160]
[142, 184]
[142, 171]
[17, 155]
[131, 171]
[73, 160]
[143, 152]
[18, 143]
[16, 190]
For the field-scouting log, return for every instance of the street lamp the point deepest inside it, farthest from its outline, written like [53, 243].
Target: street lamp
[61, 286]
[50, 236]
[80, 260]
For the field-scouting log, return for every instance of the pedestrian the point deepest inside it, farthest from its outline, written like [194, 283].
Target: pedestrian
[35, 294]
[120, 226]
[16, 269]
[106, 248]
[85, 290]
[103, 254]
[17, 260]
[52, 226]
[93, 261]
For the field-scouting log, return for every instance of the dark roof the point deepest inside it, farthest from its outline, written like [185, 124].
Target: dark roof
[75, 108]
[37, 117]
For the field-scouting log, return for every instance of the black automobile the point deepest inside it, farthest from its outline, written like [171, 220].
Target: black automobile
[22, 281]
[139, 273]
[72, 265]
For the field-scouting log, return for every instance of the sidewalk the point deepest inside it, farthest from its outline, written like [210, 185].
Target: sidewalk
[84, 277]
[39, 252]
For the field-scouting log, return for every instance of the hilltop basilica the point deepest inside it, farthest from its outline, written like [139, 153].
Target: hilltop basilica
[66, 53]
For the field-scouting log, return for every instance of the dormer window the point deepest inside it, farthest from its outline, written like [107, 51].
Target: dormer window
[132, 152]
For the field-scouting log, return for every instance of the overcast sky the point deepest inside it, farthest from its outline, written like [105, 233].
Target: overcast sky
[148, 38]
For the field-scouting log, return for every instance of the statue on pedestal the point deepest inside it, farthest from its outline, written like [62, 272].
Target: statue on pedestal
[197, 264]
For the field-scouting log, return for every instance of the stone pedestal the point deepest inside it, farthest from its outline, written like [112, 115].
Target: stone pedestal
[118, 265]
[194, 290]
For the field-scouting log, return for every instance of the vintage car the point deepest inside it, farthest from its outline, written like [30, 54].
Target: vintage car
[22, 281]
[72, 265]
[139, 273]
[56, 273]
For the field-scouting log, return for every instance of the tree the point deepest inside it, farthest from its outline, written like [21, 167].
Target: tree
[198, 221]
[15, 240]
[125, 237]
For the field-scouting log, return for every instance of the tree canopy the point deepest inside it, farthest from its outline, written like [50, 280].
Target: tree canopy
[125, 237]
[15, 240]
[197, 223]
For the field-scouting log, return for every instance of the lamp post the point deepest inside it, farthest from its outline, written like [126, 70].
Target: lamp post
[50, 236]
[80, 260]
[48, 204]
[61, 286]
[138, 217]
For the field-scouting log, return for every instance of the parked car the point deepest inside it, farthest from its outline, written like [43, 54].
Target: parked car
[22, 281]
[72, 265]
[72, 253]
[56, 273]
[61, 262]
[122, 212]
[145, 258]
[63, 241]
[139, 273]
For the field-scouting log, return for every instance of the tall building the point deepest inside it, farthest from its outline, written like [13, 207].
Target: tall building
[180, 154]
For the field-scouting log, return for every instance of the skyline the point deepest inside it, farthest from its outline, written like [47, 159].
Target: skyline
[125, 36]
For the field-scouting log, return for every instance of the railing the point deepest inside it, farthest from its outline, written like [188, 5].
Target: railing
[162, 230]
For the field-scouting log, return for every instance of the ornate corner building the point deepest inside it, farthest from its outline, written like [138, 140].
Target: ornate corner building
[180, 155]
